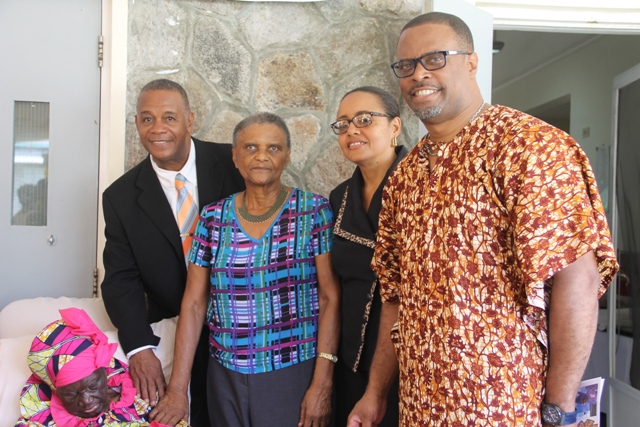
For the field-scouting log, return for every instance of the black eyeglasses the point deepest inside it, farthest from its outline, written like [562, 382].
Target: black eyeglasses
[431, 61]
[362, 120]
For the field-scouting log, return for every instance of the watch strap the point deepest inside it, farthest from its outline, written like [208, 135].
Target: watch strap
[568, 418]
[554, 416]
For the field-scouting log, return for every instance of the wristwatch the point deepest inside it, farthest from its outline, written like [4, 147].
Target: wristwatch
[329, 356]
[554, 416]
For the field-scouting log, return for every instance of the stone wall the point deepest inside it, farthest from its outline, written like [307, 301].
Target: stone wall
[293, 59]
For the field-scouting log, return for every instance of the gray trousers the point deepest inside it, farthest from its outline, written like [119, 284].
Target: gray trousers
[257, 400]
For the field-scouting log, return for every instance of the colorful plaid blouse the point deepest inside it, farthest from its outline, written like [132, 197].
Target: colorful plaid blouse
[263, 307]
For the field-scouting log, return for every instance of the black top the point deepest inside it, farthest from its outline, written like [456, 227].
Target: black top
[355, 233]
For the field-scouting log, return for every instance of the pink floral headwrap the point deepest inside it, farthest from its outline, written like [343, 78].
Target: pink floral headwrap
[69, 349]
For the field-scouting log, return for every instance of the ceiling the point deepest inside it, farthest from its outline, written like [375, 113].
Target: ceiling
[525, 52]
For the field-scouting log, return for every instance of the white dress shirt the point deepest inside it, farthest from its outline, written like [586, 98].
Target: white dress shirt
[168, 182]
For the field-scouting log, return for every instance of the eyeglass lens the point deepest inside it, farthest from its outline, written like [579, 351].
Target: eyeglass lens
[360, 121]
[431, 62]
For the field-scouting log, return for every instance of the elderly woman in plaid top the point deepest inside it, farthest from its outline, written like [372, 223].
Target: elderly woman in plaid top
[260, 275]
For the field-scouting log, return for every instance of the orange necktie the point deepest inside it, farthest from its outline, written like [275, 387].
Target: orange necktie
[187, 214]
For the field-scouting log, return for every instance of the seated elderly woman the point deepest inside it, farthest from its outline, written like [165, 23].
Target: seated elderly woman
[76, 381]
[260, 275]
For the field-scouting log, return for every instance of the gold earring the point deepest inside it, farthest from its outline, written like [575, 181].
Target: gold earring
[394, 142]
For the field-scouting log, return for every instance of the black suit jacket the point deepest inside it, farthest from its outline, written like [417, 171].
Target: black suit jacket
[143, 252]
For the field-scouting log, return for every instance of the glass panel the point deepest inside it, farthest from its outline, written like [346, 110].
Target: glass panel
[30, 163]
[627, 325]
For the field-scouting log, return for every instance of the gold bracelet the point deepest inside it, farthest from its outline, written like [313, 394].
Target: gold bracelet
[332, 357]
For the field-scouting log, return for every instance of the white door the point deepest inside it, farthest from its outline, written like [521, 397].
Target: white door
[49, 112]
[481, 25]
[624, 295]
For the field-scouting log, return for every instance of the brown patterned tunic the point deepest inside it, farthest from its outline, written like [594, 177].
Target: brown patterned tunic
[469, 251]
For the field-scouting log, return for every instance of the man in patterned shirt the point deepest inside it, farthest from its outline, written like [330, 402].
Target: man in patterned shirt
[492, 252]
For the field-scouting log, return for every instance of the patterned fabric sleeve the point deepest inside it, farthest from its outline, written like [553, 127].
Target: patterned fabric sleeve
[206, 233]
[322, 234]
[386, 258]
[553, 202]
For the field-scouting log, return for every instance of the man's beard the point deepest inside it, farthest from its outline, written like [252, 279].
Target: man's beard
[427, 112]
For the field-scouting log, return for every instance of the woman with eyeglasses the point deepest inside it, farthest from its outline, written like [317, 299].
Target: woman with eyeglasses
[367, 126]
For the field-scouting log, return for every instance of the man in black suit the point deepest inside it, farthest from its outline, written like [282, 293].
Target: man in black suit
[145, 268]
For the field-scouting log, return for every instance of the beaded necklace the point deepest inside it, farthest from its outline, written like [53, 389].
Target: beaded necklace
[255, 219]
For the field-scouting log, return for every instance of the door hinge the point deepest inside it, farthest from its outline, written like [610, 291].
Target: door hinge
[95, 282]
[100, 51]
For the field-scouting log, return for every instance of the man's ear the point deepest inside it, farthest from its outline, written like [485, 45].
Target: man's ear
[473, 63]
[190, 122]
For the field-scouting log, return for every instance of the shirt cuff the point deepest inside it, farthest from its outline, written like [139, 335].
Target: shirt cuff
[139, 349]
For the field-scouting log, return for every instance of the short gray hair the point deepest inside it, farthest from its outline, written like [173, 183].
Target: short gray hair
[166, 84]
[262, 119]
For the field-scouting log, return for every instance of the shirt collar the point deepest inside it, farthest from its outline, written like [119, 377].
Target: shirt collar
[167, 177]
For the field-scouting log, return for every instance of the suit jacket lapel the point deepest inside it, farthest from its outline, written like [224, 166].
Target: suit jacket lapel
[154, 203]
[209, 178]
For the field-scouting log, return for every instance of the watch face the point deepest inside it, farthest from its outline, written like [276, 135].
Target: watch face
[551, 414]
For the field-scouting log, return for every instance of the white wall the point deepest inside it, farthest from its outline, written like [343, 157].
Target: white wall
[587, 76]
[112, 108]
